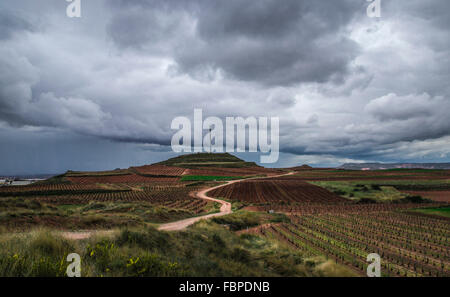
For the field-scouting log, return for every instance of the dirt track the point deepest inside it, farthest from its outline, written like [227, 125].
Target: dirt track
[182, 224]
[224, 209]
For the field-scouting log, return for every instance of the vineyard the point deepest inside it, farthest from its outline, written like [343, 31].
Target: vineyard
[337, 208]
[178, 198]
[347, 175]
[159, 170]
[165, 192]
[443, 196]
[125, 179]
[50, 188]
[409, 245]
[276, 192]
[247, 171]
[150, 195]
[322, 223]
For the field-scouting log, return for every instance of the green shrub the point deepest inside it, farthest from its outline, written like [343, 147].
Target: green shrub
[339, 192]
[280, 218]
[366, 201]
[45, 243]
[240, 255]
[151, 239]
[94, 206]
[103, 254]
[149, 265]
[39, 254]
[239, 220]
[414, 199]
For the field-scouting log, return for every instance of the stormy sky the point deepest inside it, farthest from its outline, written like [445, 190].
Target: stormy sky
[100, 91]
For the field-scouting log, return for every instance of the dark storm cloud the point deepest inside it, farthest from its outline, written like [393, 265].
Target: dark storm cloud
[391, 120]
[270, 42]
[278, 42]
[10, 23]
[345, 87]
[398, 114]
[16, 77]
[138, 28]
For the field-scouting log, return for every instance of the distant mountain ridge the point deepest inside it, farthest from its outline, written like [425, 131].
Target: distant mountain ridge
[381, 166]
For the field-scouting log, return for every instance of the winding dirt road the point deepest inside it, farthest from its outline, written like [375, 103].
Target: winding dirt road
[224, 209]
[182, 224]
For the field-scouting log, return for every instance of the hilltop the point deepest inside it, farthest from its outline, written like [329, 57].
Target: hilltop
[199, 166]
[303, 167]
[222, 160]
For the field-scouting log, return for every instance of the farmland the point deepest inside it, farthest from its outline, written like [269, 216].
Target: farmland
[239, 172]
[276, 192]
[151, 204]
[346, 215]
[439, 211]
[362, 190]
[25, 215]
[409, 245]
[443, 196]
[161, 188]
[208, 178]
[349, 175]
[389, 190]
[136, 196]
[159, 170]
[125, 179]
[325, 217]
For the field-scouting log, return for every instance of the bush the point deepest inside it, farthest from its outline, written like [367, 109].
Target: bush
[280, 218]
[152, 265]
[366, 201]
[44, 243]
[103, 254]
[151, 239]
[339, 192]
[239, 220]
[40, 254]
[240, 255]
[376, 188]
[94, 206]
[414, 199]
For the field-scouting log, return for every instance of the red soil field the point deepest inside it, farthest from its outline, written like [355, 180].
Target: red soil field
[442, 196]
[174, 197]
[129, 178]
[338, 208]
[159, 170]
[232, 171]
[47, 188]
[276, 191]
[347, 175]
